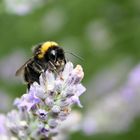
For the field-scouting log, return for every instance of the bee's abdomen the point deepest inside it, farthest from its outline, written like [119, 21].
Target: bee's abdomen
[32, 73]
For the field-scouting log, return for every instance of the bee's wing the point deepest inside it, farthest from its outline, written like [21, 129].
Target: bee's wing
[21, 69]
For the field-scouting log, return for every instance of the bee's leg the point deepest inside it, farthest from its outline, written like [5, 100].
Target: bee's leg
[28, 86]
[53, 67]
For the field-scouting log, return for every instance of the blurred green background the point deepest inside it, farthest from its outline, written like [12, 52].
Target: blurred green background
[103, 33]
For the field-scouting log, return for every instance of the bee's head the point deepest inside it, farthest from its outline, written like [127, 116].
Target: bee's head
[55, 57]
[51, 54]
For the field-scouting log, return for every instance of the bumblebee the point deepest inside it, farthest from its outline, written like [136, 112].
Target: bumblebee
[46, 56]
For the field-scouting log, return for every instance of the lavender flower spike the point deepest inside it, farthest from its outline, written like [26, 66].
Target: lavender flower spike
[43, 108]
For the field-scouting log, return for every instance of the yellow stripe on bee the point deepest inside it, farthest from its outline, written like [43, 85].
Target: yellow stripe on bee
[45, 47]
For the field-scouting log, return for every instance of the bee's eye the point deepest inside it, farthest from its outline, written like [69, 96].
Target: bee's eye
[52, 55]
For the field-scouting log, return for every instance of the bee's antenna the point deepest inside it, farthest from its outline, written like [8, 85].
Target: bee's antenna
[75, 55]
